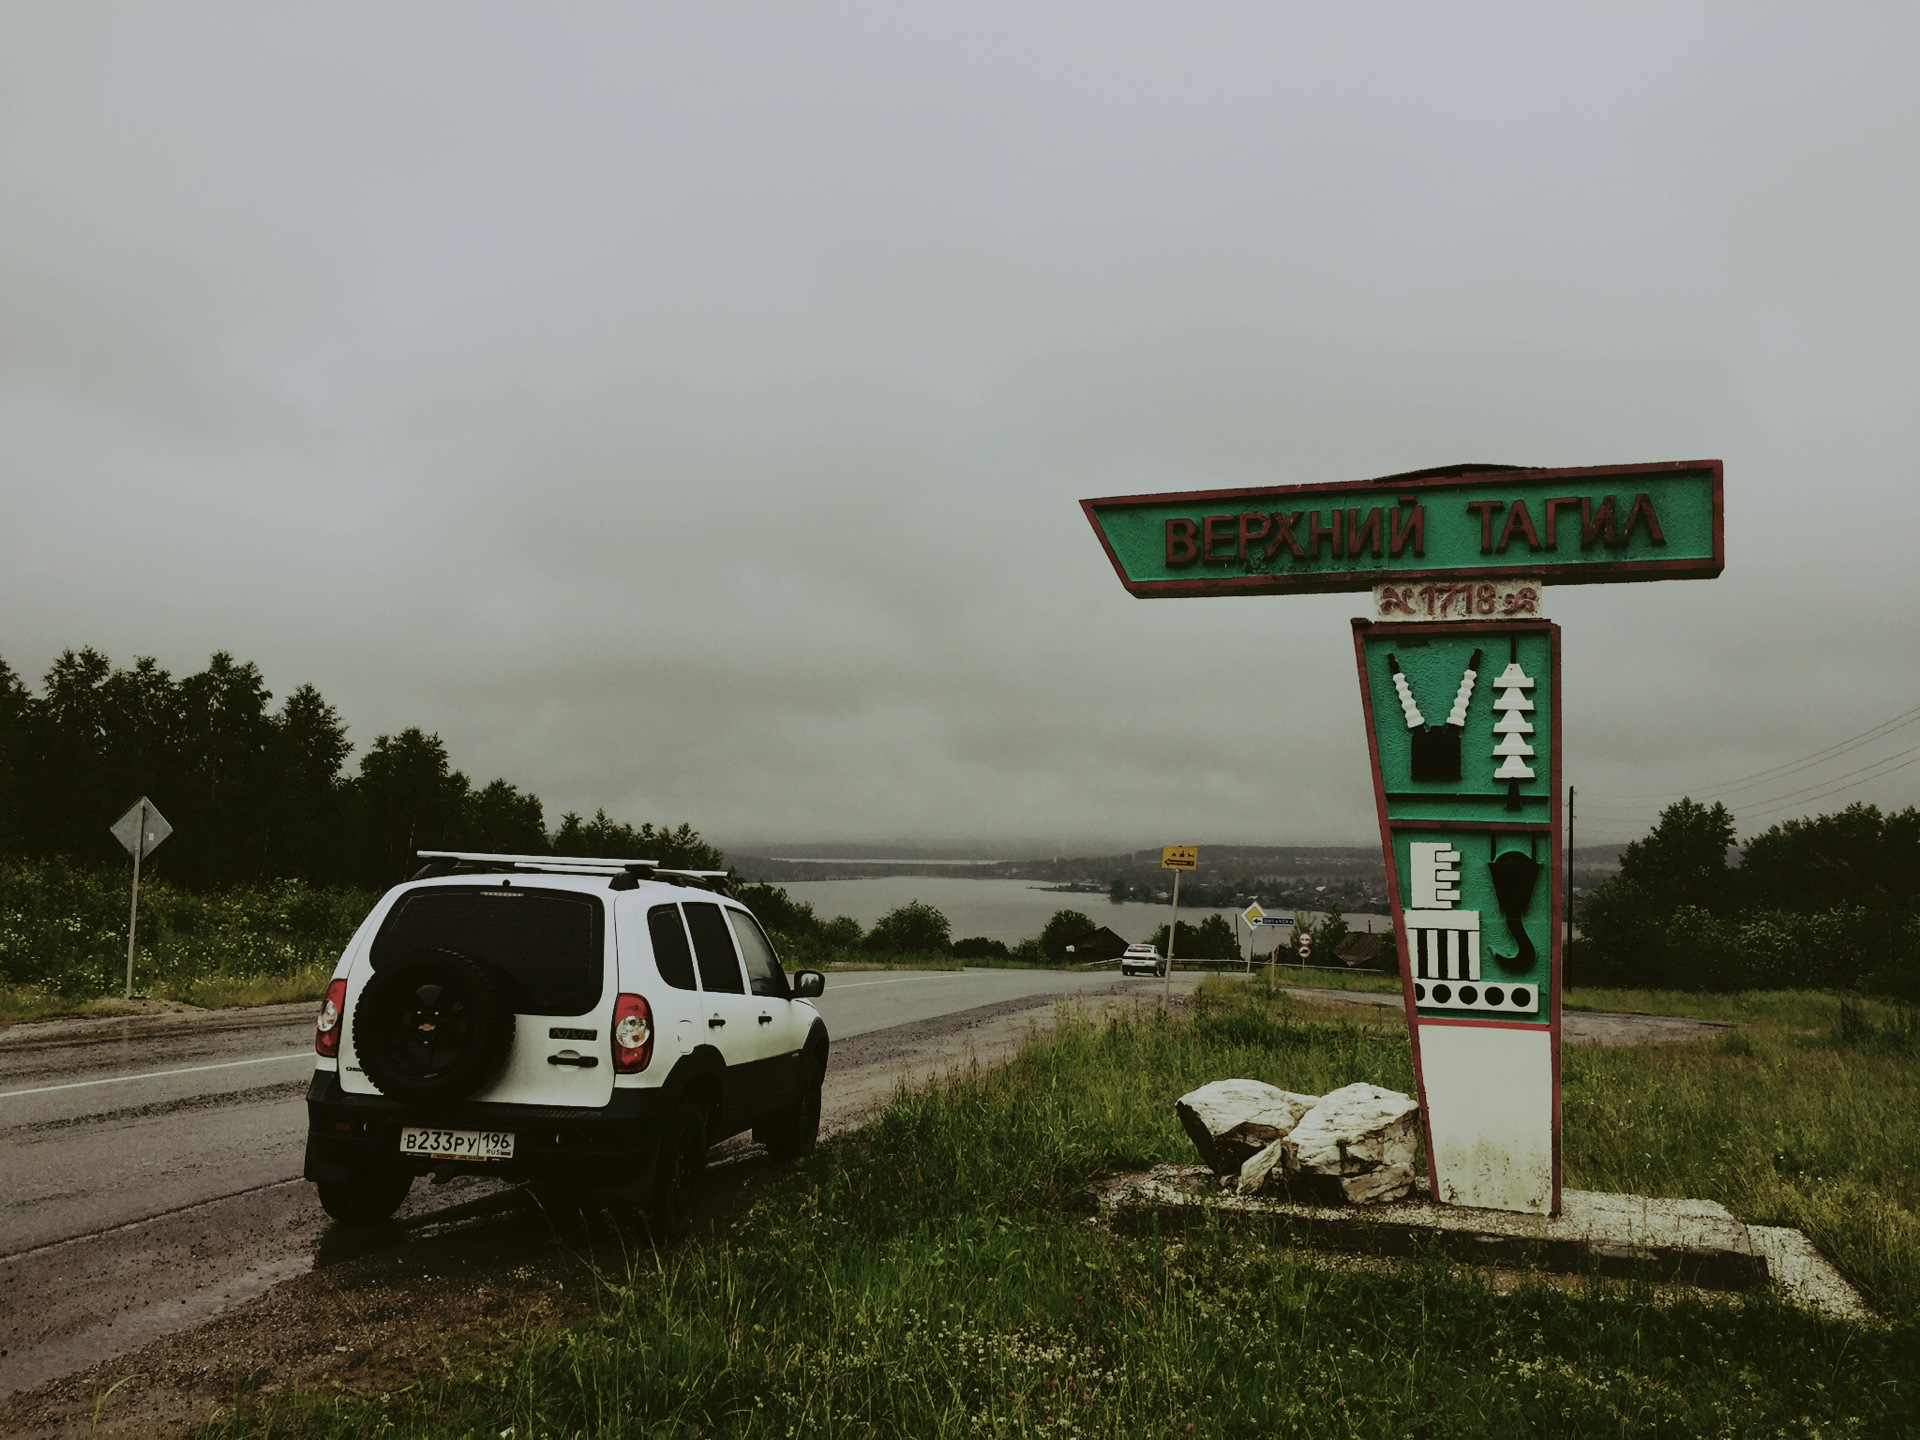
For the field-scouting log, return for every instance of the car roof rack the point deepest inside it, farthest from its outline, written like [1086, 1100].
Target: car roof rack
[624, 873]
[563, 864]
[572, 862]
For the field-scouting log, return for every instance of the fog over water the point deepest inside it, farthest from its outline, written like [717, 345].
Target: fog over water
[1012, 910]
[684, 409]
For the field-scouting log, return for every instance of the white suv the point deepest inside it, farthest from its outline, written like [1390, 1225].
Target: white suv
[585, 1024]
[1142, 959]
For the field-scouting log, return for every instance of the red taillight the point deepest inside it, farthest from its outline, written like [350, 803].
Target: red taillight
[326, 1027]
[632, 1034]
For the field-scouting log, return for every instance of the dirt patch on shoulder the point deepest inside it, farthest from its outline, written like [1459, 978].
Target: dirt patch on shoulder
[363, 1319]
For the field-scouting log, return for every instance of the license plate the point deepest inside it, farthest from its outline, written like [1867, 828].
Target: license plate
[419, 1140]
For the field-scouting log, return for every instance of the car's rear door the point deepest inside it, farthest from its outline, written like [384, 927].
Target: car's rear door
[780, 1025]
[731, 1014]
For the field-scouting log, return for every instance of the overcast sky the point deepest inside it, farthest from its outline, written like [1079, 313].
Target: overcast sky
[683, 409]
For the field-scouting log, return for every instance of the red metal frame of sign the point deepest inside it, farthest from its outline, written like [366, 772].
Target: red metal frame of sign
[1449, 477]
[1424, 630]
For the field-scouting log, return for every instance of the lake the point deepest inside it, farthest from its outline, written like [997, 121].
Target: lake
[1008, 910]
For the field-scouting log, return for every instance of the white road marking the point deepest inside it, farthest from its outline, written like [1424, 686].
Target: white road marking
[306, 1054]
[905, 980]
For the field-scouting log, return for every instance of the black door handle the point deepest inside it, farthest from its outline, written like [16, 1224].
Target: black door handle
[766, 1019]
[714, 1022]
[585, 1062]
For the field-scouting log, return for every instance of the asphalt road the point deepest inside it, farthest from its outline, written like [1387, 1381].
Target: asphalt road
[151, 1175]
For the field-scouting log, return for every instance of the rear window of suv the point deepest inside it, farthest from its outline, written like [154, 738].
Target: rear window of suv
[713, 948]
[549, 944]
[671, 954]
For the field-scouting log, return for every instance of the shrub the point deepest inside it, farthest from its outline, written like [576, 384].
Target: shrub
[979, 947]
[1211, 939]
[911, 929]
[1062, 930]
[1824, 902]
[63, 931]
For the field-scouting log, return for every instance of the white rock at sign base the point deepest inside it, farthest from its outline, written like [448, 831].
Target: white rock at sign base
[1361, 1139]
[1255, 1172]
[1230, 1121]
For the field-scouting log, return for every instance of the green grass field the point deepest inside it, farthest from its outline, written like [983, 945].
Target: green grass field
[929, 1276]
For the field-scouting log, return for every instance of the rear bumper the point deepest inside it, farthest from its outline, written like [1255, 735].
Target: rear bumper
[611, 1145]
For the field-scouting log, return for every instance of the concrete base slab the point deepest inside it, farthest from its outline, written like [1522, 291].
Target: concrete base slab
[1805, 1276]
[1694, 1242]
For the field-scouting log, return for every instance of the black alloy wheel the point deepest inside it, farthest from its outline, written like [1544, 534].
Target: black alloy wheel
[796, 1129]
[680, 1175]
[434, 1027]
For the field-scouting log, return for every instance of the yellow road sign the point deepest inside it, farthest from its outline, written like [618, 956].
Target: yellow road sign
[1179, 857]
[1252, 914]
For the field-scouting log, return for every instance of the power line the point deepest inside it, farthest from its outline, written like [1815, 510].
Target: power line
[1853, 785]
[1773, 802]
[1807, 795]
[1623, 803]
[1830, 752]
[1835, 779]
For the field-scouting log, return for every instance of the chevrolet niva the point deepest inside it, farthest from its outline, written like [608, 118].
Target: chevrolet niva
[582, 1024]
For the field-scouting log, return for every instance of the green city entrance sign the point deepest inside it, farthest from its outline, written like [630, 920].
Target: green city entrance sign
[1568, 527]
[1460, 688]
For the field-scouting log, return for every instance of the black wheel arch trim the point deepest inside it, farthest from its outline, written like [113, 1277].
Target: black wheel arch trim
[699, 1066]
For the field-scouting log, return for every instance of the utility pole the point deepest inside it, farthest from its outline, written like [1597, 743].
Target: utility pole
[1173, 931]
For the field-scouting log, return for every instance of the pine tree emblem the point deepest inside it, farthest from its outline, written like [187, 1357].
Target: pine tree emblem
[1512, 705]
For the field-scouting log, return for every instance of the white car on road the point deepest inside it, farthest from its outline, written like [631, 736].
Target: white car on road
[583, 1023]
[1142, 960]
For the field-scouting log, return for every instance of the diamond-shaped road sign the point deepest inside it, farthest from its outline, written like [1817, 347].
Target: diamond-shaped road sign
[144, 815]
[1252, 914]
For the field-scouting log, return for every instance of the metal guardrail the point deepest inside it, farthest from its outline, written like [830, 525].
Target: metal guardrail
[1241, 966]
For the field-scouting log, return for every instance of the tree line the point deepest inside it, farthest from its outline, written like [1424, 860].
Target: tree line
[1827, 901]
[256, 790]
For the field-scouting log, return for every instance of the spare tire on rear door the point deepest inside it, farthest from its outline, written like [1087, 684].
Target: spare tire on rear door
[433, 1026]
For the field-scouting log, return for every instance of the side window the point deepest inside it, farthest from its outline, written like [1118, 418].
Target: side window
[670, 949]
[713, 948]
[764, 976]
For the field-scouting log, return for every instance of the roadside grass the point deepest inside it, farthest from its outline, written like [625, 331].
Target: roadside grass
[1803, 1117]
[1806, 1009]
[63, 941]
[1371, 982]
[1784, 1127]
[1793, 1009]
[928, 1274]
